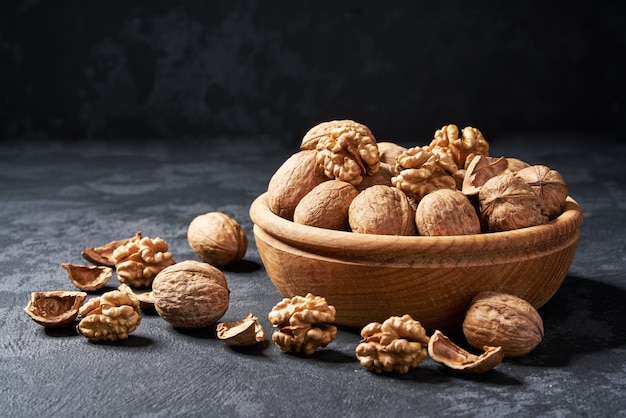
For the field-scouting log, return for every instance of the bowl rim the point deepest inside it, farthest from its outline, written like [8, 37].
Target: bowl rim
[329, 241]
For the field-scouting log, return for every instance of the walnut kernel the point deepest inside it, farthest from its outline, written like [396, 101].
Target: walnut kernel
[303, 324]
[397, 345]
[111, 316]
[103, 255]
[138, 262]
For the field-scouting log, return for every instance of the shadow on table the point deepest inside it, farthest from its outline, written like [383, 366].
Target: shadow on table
[584, 316]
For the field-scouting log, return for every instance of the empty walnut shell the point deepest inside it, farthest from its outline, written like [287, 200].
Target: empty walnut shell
[55, 309]
[88, 277]
[103, 255]
[245, 332]
[442, 350]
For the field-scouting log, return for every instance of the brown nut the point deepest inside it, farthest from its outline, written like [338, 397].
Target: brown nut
[103, 255]
[54, 309]
[547, 184]
[217, 239]
[112, 316]
[383, 177]
[499, 319]
[296, 177]
[507, 202]
[190, 294]
[88, 277]
[326, 206]
[480, 170]
[382, 210]
[389, 152]
[245, 332]
[446, 212]
[303, 324]
[397, 345]
[442, 350]
[348, 151]
[138, 262]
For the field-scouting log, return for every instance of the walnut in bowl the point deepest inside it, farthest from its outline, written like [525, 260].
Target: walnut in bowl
[432, 278]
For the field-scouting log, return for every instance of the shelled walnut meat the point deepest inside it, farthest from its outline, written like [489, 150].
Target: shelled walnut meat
[397, 345]
[111, 316]
[138, 262]
[303, 324]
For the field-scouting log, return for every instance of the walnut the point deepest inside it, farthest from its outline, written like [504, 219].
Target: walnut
[383, 176]
[88, 277]
[348, 152]
[303, 324]
[507, 202]
[245, 332]
[499, 319]
[146, 301]
[397, 345]
[389, 151]
[442, 350]
[103, 255]
[420, 171]
[190, 294]
[382, 210]
[549, 185]
[446, 212]
[326, 206]
[322, 131]
[137, 262]
[111, 316]
[515, 164]
[54, 309]
[480, 170]
[463, 148]
[217, 239]
[297, 176]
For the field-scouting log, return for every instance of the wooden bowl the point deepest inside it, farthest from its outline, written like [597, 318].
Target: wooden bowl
[372, 277]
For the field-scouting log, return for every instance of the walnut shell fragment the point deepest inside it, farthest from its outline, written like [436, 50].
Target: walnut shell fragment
[442, 350]
[88, 277]
[303, 324]
[480, 170]
[112, 316]
[103, 255]
[398, 345]
[245, 332]
[55, 309]
[138, 262]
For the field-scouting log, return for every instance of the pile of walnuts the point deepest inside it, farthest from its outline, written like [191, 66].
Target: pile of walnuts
[343, 179]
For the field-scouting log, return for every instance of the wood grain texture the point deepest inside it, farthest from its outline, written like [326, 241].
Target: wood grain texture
[371, 277]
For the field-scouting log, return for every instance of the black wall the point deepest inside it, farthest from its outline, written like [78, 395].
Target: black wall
[155, 69]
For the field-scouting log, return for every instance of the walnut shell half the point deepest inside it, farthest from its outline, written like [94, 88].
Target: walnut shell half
[88, 277]
[55, 309]
[242, 333]
[442, 350]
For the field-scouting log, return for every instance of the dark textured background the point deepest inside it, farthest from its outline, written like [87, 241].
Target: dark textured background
[157, 69]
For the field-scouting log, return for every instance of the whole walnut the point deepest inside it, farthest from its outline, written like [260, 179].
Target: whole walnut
[382, 210]
[389, 152]
[500, 319]
[383, 176]
[507, 202]
[446, 212]
[217, 239]
[326, 206]
[547, 184]
[190, 294]
[297, 176]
